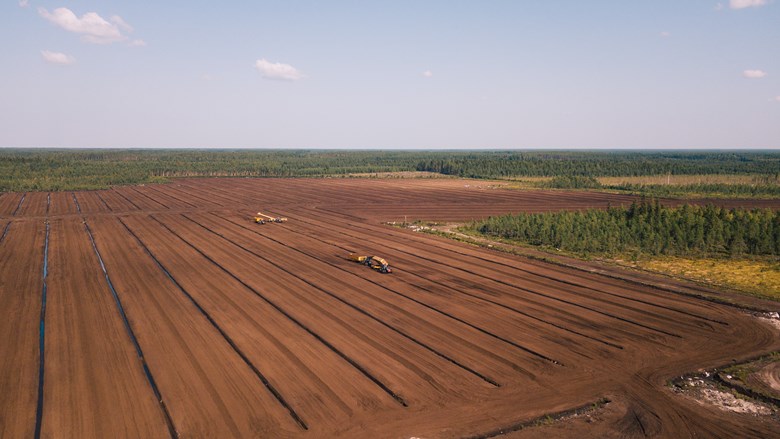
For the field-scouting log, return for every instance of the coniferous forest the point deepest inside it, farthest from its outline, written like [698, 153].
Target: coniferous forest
[30, 170]
[645, 227]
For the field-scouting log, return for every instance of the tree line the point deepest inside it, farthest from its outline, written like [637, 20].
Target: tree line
[766, 186]
[496, 164]
[645, 227]
[57, 169]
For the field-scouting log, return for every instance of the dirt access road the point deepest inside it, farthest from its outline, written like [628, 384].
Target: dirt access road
[164, 311]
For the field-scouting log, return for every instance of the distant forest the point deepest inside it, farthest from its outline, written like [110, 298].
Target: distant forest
[764, 186]
[645, 227]
[601, 163]
[30, 169]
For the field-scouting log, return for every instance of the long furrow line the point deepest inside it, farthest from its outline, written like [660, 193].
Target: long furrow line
[178, 190]
[5, 231]
[555, 325]
[19, 206]
[41, 337]
[75, 200]
[425, 305]
[103, 201]
[160, 193]
[219, 193]
[355, 307]
[286, 192]
[297, 188]
[238, 196]
[117, 202]
[187, 187]
[296, 417]
[125, 197]
[289, 316]
[150, 198]
[42, 327]
[133, 339]
[90, 203]
[511, 285]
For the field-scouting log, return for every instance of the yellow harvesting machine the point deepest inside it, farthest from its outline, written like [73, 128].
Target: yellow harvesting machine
[374, 262]
[262, 218]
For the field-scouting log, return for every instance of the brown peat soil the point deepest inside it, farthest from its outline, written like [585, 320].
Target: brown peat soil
[169, 312]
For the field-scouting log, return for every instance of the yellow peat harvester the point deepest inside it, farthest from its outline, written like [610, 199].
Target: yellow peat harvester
[374, 262]
[262, 218]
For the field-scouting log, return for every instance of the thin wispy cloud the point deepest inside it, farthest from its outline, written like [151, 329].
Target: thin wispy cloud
[24, 3]
[665, 34]
[278, 71]
[92, 27]
[742, 4]
[137, 43]
[57, 58]
[777, 98]
[428, 74]
[117, 20]
[753, 74]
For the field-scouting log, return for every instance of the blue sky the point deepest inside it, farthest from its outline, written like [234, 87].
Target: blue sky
[391, 74]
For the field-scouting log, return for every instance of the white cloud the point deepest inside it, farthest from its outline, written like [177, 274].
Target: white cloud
[24, 3]
[665, 34]
[753, 74]
[741, 4]
[427, 74]
[277, 70]
[92, 27]
[137, 43]
[57, 58]
[117, 20]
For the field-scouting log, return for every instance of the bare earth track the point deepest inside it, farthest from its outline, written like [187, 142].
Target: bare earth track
[165, 311]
